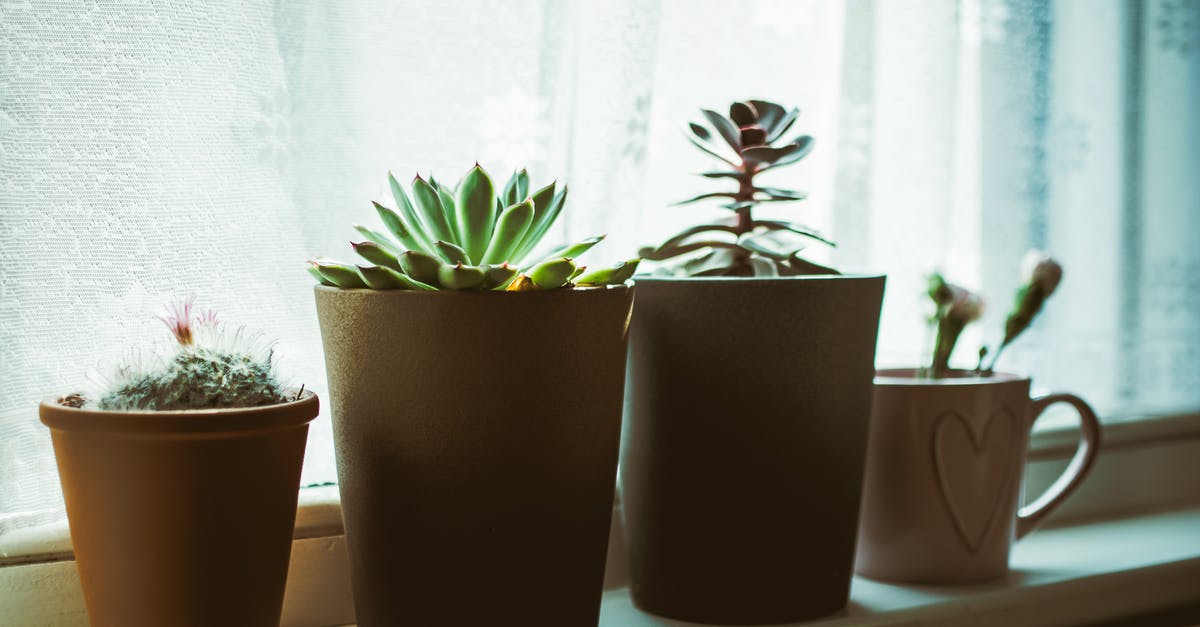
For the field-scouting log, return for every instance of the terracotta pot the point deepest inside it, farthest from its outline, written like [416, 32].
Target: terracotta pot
[181, 518]
[746, 430]
[944, 475]
[476, 438]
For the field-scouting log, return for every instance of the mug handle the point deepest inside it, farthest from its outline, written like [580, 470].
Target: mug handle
[1032, 515]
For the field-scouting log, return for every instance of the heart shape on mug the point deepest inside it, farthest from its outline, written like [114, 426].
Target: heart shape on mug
[972, 465]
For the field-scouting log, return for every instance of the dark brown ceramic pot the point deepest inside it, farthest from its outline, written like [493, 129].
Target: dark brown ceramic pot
[476, 438]
[181, 518]
[746, 431]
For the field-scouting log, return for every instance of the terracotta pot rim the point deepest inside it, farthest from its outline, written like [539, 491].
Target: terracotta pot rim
[574, 292]
[757, 279]
[227, 420]
[907, 377]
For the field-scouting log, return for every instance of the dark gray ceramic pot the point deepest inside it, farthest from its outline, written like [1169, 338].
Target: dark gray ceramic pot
[746, 429]
[476, 438]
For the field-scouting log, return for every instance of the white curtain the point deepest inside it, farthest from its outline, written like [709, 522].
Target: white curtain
[209, 147]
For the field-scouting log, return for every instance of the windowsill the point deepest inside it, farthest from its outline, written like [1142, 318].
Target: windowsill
[1070, 575]
[1083, 570]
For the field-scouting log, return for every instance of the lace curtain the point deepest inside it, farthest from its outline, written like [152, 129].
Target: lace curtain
[209, 147]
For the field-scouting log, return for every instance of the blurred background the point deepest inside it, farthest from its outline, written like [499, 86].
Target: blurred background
[210, 147]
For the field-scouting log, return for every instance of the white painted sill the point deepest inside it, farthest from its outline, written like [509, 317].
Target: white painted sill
[1107, 557]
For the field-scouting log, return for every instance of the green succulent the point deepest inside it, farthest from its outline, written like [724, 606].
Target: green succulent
[470, 237]
[743, 245]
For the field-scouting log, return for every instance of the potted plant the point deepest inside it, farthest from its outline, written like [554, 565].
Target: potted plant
[749, 395]
[947, 450]
[476, 394]
[180, 478]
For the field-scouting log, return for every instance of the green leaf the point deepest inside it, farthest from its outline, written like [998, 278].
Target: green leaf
[778, 193]
[452, 253]
[721, 174]
[767, 154]
[700, 131]
[460, 277]
[682, 236]
[522, 186]
[447, 196]
[658, 254]
[710, 151]
[405, 206]
[706, 196]
[410, 239]
[765, 246]
[542, 221]
[340, 274]
[552, 274]
[378, 278]
[498, 276]
[376, 254]
[743, 114]
[782, 125]
[614, 275]
[476, 204]
[777, 225]
[433, 211]
[319, 277]
[574, 250]
[510, 231]
[726, 128]
[420, 266]
[379, 238]
[804, 266]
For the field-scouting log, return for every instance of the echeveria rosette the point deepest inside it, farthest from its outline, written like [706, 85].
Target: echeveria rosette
[469, 237]
[956, 308]
[751, 141]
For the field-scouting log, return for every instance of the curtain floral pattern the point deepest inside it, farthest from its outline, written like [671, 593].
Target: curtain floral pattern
[209, 147]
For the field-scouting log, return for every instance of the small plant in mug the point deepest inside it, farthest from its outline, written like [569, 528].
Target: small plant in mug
[472, 236]
[207, 367]
[957, 307]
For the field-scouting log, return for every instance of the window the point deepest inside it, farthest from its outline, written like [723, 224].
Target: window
[160, 149]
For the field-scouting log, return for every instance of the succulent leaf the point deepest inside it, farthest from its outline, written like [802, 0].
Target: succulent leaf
[452, 253]
[552, 274]
[510, 230]
[776, 225]
[743, 114]
[376, 254]
[542, 222]
[406, 210]
[706, 148]
[706, 196]
[769, 113]
[782, 125]
[498, 276]
[728, 131]
[614, 275]
[420, 266]
[340, 274]
[379, 238]
[433, 211]
[319, 277]
[460, 276]
[476, 204]
[762, 266]
[804, 144]
[410, 239]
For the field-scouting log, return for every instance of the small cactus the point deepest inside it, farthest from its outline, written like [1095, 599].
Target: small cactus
[209, 369]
